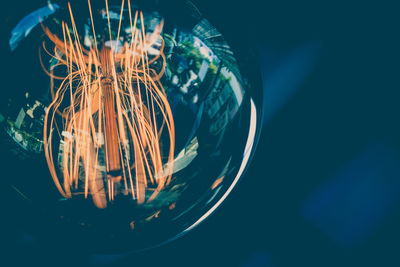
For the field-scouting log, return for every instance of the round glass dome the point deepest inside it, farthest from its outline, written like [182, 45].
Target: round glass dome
[128, 123]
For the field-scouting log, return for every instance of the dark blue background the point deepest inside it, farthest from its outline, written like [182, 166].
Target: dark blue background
[324, 186]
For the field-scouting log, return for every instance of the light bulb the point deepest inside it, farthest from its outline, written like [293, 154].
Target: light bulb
[136, 119]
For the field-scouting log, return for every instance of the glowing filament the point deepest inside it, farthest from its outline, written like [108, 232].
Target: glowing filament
[113, 108]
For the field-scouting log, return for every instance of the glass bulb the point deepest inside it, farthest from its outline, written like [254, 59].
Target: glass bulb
[135, 119]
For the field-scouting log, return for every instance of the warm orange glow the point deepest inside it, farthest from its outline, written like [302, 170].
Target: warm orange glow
[217, 182]
[115, 95]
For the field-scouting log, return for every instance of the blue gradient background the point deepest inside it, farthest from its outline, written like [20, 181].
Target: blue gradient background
[324, 186]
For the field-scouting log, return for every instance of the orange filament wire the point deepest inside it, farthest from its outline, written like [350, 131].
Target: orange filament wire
[128, 107]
